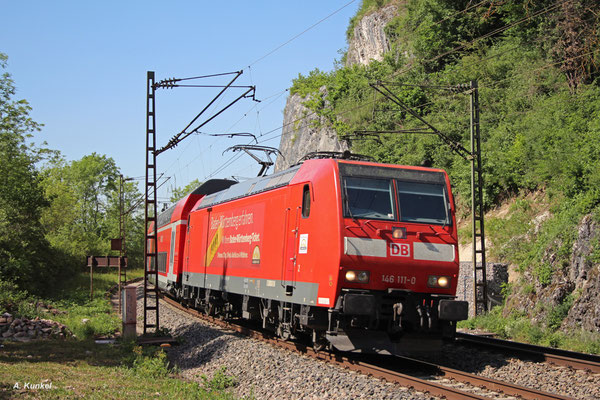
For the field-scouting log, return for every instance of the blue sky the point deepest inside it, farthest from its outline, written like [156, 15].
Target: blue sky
[82, 67]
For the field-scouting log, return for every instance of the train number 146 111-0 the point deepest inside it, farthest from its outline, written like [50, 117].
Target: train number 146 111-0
[403, 279]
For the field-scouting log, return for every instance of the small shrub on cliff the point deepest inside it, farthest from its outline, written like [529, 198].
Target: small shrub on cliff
[559, 313]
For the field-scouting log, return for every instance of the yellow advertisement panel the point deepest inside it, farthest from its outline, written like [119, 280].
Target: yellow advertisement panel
[214, 245]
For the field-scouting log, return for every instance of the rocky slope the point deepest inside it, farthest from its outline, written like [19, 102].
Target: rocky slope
[574, 285]
[369, 41]
[303, 132]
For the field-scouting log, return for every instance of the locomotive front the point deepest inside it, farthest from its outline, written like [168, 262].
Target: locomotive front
[399, 267]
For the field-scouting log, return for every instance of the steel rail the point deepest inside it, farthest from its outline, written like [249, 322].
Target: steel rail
[566, 358]
[380, 372]
[367, 369]
[488, 383]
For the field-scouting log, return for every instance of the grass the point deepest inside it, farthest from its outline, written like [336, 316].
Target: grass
[83, 369]
[519, 328]
[79, 368]
[79, 307]
[71, 305]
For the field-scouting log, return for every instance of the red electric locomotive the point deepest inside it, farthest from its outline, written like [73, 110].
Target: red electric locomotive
[359, 255]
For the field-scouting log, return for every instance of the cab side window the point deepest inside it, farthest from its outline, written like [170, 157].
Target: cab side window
[306, 202]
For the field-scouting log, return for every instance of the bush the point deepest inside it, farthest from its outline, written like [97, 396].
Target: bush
[150, 362]
[220, 380]
[559, 313]
[15, 301]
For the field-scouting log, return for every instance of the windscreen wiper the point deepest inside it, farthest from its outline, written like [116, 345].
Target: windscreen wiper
[446, 204]
[347, 202]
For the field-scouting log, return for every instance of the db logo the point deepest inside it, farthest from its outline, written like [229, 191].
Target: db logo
[400, 249]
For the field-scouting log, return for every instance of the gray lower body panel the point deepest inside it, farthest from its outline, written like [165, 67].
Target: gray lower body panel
[302, 293]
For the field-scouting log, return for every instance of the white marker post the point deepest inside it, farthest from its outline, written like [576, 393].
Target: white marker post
[129, 311]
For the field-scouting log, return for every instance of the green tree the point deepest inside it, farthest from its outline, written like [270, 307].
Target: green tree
[84, 211]
[80, 193]
[179, 193]
[26, 257]
[134, 222]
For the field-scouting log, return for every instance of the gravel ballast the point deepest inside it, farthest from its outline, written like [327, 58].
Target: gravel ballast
[565, 381]
[266, 372]
[261, 370]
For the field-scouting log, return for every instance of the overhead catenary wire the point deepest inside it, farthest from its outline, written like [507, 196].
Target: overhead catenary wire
[143, 196]
[227, 163]
[299, 34]
[265, 136]
[274, 96]
[169, 83]
[184, 134]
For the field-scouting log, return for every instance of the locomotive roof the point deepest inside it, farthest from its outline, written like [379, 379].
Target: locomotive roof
[283, 178]
[250, 187]
[428, 175]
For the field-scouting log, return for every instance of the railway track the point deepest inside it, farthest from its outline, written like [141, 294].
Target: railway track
[432, 378]
[565, 358]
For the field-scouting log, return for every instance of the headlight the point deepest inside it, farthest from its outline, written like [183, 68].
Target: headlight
[399, 232]
[357, 276]
[350, 276]
[435, 281]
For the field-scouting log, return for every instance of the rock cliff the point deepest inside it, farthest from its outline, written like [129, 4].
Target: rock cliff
[575, 285]
[304, 132]
[369, 41]
[584, 273]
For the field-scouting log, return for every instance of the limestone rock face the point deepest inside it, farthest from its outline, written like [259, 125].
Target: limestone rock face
[369, 41]
[584, 275]
[303, 133]
[579, 279]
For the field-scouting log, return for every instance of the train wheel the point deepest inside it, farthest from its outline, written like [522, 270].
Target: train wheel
[209, 310]
[319, 342]
[283, 332]
[319, 346]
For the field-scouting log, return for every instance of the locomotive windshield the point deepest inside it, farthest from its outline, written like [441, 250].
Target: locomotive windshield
[413, 196]
[368, 198]
[422, 202]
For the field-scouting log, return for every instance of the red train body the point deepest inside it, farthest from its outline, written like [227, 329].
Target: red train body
[358, 255]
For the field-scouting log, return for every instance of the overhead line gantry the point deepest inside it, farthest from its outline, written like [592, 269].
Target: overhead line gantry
[151, 300]
[473, 155]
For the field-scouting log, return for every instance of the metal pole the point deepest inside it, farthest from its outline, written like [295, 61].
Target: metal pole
[473, 202]
[151, 209]
[477, 214]
[92, 281]
[121, 237]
